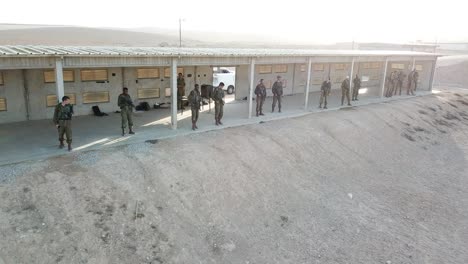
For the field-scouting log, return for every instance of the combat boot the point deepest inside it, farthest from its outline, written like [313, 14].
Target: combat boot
[131, 131]
[69, 147]
[261, 113]
[193, 125]
[196, 127]
[123, 132]
[257, 113]
[61, 146]
[279, 110]
[219, 122]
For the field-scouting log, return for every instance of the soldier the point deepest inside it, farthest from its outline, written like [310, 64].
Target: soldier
[277, 90]
[218, 97]
[345, 91]
[400, 79]
[260, 91]
[392, 82]
[180, 90]
[195, 101]
[356, 87]
[126, 111]
[415, 79]
[411, 82]
[62, 120]
[324, 92]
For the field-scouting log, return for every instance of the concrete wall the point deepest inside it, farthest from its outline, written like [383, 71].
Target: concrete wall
[13, 91]
[242, 82]
[425, 75]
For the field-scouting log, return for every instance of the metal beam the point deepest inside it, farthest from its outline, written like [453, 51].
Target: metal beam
[174, 93]
[307, 88]
[59, 79]
[252, 76]
[382, 89]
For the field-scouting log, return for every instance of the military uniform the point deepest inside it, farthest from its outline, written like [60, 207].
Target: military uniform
[345, 91]
[391, 84]
[356, 87]
[180, 91]
[277, 90]
[218, 97]
[195, 101]
[260, 92]
[62, 118]
[126, 111]
[324, 93]
[400, 79]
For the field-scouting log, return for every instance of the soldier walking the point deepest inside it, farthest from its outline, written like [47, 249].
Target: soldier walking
[218, 97]
[324, 93]
[126, 111]
[345, 91]
[180, 90]
[356, 87]
[62, 120]
[277, 90]
[195, 101]
[260, 92]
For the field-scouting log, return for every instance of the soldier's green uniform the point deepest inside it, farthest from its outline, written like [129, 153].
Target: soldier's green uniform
[195, 99]
[324, 93]
[345, 91]
[62, 118]
[356, 87]
[277, 91]
[400, 79]
[180, 90]
[126, 111]
[260, 92]
[415, 80]
[218, 97]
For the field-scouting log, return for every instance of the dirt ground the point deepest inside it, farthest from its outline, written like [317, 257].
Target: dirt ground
[383, 183]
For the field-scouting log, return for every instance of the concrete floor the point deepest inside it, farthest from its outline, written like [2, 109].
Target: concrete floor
[38, 139]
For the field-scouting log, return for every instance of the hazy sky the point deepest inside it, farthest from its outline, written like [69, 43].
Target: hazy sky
[318, 21]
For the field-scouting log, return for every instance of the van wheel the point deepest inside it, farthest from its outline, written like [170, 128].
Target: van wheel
[230, 89]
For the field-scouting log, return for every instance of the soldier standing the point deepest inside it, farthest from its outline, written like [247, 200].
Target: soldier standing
[260, 92]
[195, 101]
[415, 80]
[324, 92]
[400, 79]
[345, 91]
[62, 120]
[277, 90]
[356, 87]
[218, 97]
[180, 90]
[392, 82]
[126, 111]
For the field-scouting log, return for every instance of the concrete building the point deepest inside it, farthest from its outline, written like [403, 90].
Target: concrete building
[32, 78]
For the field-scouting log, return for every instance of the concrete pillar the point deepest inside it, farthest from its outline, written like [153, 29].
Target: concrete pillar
[351, 73]
[382, 89]
[59, 79]
[413, 65]
[431, 82]
[174, 93]
[307, 88]
[26, 94]
[251, 91]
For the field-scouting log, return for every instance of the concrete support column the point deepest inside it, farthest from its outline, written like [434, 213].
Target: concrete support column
[307, 88]
[26, 94]
[382, 88]
[174, 93]
[59, 79]
[413, 65]
[251, 84]
[431, 81]
[351, 73]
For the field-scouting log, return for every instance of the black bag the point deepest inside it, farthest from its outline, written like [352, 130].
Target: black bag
[207, 91]
[143, 106]
[97, 111]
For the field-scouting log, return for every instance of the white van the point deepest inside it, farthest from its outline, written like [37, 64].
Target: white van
[225, 75]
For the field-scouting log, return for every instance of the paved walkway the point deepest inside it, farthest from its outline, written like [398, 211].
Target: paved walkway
[38, 139]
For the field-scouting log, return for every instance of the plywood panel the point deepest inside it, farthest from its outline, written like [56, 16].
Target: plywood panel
[168, 92]
[68, 76]
[3, 104]
[52, 100]
[148, 73]
[94, 75]
[281, 68]
[318, 67]
[145, 93]
[95, 97]
[167, 72]
[264, 69]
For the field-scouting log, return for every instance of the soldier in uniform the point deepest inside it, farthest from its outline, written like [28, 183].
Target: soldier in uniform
[356, 87]
[277, 90]
[126, 111]
[260, 92]
[195, 101]
[400, 79]
[415, 79]
[62, 120]
[345, 91]
[218, 97]
[392, 83]
[324, 92]
[180, 90]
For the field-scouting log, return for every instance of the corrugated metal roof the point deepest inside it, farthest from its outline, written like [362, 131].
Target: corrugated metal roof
[95, 51]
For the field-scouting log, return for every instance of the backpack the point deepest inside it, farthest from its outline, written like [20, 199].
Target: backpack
[143, 106]
[97, 111]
